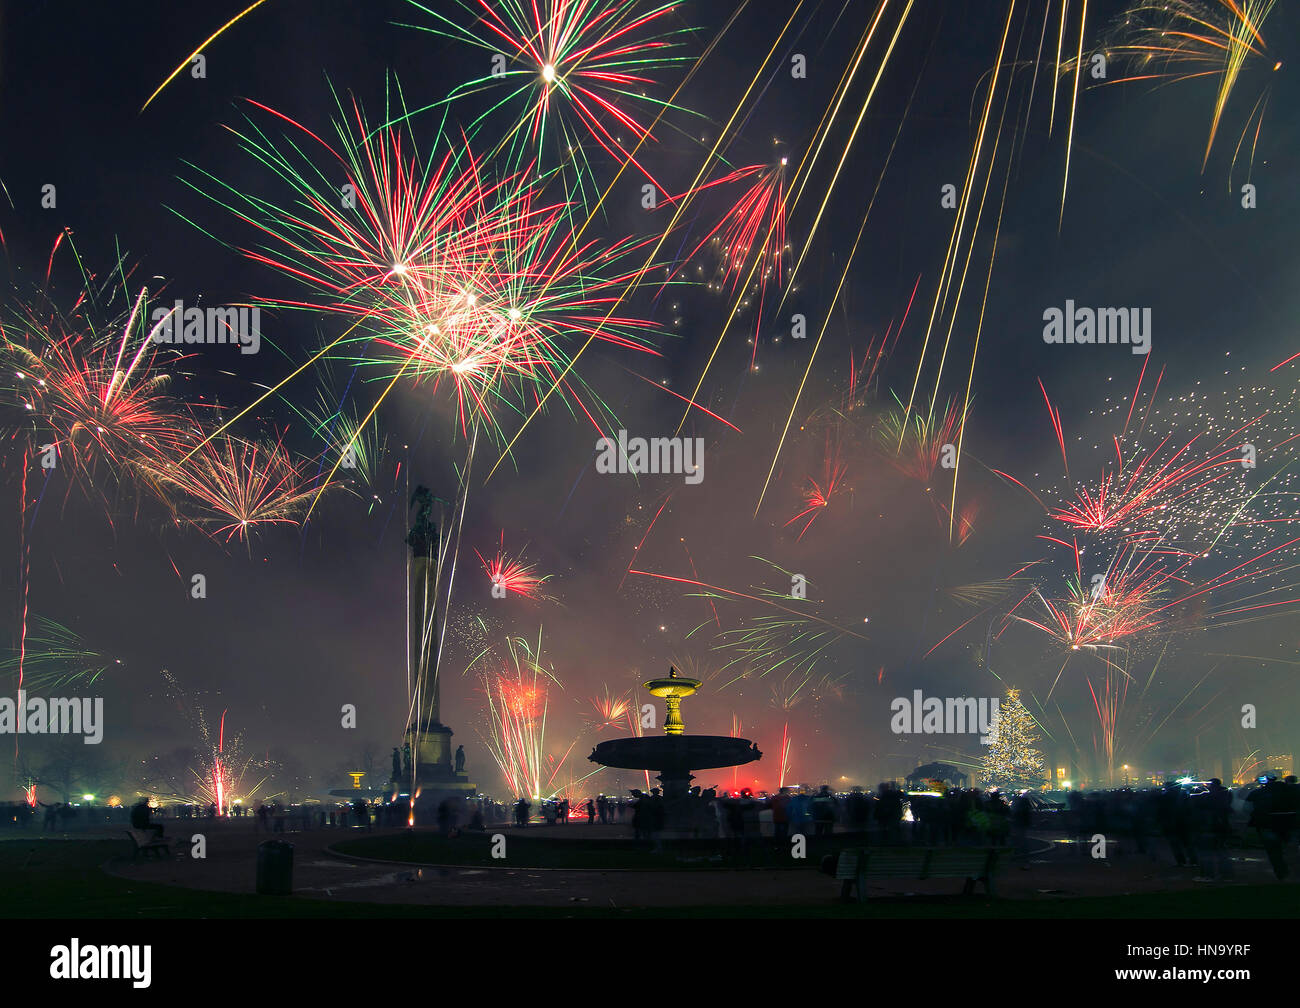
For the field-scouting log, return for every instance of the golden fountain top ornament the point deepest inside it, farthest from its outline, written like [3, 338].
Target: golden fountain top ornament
[672, 690]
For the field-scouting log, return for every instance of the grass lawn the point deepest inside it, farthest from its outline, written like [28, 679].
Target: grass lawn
[62, 879]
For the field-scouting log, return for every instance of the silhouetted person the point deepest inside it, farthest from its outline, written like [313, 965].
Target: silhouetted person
[781, 816]
[1216, 823]
[657, 817]
[859, 808]
[591, 811]
[889, 811]
[640, 814]
[735, 810]
[1273, 814]
[1174, 817]
[140, 819]
[824, 811]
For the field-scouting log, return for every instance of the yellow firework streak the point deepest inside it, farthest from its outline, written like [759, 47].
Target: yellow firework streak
[185, 62]
[862, 112]
[1074, 102]
[1060, 41]
[954, 242]
[979, 330]
[827, 121]
[865, 217]
[681, 207]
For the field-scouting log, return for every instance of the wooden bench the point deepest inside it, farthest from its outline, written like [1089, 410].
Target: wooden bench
[146, 841]
[974, 864]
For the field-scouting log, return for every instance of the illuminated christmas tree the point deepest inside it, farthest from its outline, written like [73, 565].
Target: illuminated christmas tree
[1011, 760]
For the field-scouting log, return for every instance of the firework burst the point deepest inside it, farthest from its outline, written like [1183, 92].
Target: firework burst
[1172, 41]
[55, 656]
[237, 486]
[90, 382]
[450, 272]
[513, 575]
[578, 69]
[517, 687]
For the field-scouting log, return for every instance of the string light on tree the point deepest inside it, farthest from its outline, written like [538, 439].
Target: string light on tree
[1011, 760]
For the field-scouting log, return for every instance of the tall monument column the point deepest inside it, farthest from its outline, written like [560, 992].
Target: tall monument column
[429, 740]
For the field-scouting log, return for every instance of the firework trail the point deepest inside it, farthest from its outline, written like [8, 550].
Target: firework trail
[517, 688]
[450, 272]
[238, 486]
[785, 755]
[1172, 41]
[750, 237]
[54, 656]
[570, 73]
[1182, 517]
[222, 769]
[89, 382]
[360, 449]
[211, 38]
[614, 711]
[1190, 526]
[787, 644]
[817, 496]
[512, 575]
[915, 445]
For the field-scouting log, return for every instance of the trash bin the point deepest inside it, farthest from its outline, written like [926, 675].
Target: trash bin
[275, 868]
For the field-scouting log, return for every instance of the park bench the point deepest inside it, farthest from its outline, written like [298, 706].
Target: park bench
[146, 841]
[974, 864]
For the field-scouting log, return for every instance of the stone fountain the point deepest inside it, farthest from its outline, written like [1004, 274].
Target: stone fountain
[675, 754]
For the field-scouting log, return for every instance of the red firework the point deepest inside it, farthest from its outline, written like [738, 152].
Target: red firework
[573, 59]
[512, 576]
[818, 495]
[750, 237]
[451, 271]
[523, 700]
[96, 385]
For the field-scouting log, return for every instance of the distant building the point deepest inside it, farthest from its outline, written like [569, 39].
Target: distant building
[1281, 766]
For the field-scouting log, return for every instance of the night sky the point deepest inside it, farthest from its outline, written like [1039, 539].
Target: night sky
[302, 620]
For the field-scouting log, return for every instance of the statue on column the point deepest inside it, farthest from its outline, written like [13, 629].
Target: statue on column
[460, 759]
[423, 531]
[406, 755]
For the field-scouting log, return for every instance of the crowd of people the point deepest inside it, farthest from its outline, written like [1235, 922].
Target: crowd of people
[1197, 825]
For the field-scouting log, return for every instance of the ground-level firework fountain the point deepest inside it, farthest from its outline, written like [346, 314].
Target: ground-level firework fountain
[675, 754]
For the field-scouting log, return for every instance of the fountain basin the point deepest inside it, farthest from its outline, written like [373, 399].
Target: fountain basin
[680, 753]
